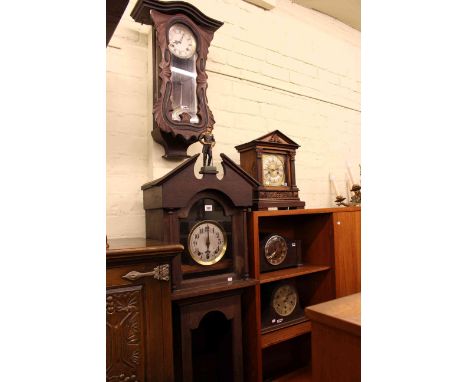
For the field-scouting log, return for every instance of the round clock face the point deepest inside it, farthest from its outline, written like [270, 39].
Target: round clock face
[182, 42]
[276, 250]
[207, 242]
[273, 170]
[284, 300]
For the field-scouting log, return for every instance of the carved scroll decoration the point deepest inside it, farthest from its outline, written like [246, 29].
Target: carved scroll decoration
[278, 195]
[124, 339]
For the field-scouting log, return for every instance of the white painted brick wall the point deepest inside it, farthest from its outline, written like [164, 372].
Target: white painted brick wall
[289, 68]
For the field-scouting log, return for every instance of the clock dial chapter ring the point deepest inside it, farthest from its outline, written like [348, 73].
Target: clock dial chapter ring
[273, 170]
[276, 250]
[207, 242]
[284, 300]
[181, 41]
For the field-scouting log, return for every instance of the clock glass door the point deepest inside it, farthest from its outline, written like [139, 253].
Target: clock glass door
[182, 45]
[206, 234]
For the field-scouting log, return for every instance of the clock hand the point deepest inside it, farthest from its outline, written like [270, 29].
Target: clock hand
[208, 239]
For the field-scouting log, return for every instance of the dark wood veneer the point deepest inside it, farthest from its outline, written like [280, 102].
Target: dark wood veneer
[177, 136]
[138, 313]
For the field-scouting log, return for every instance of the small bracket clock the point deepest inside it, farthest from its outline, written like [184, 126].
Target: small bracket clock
[183, 35]
[270, 159]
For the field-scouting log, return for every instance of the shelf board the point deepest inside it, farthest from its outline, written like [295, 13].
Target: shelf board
[299, 375]
[304, 211]
[291, 272]
[284, 334]
[188, 292]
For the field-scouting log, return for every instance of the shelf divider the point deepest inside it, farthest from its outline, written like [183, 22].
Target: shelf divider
[287, 273]
[284, 334]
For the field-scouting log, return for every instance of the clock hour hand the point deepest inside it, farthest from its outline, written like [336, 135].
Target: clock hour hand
[287, 296]
[208, 239]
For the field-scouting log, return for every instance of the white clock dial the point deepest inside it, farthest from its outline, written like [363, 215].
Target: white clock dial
[181, 42]
[207, 242]
[284, 300]
[273, 170]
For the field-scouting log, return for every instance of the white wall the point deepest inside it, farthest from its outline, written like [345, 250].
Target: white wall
[289, 68]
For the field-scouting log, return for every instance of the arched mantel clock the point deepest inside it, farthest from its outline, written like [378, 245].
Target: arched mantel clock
[183, 35]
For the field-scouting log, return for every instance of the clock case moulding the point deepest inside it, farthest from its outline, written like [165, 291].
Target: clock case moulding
[177, 136]
[251, 153]
[168, 201]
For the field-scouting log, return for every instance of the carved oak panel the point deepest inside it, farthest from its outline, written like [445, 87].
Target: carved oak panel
[125, 338]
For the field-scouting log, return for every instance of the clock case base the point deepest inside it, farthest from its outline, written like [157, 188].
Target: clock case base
[281, 204]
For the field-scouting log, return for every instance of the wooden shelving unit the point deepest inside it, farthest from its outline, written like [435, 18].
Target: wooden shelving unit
[315, 281]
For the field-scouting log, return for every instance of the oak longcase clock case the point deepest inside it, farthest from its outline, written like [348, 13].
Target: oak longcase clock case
[270, 159]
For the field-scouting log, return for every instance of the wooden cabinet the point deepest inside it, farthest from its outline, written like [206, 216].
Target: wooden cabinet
[330, 246]
[138, 311]
[347, 240]
[336, 346]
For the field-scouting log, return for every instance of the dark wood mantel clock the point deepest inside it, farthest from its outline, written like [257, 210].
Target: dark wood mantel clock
[207, 216]
[270, 159]
[183, 35]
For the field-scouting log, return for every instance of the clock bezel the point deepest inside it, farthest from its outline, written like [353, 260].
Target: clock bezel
[194, 37]
[271, 238]
[222, 252]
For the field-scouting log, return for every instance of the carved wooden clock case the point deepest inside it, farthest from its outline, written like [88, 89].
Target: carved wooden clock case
[270, 159]
[183, 36]
[207, 216]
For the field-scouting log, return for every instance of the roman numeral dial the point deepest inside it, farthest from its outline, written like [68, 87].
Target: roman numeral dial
[181, 42]
[273, 170]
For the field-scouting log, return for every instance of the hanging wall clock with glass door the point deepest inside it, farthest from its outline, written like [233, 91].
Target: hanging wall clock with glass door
[181, 38]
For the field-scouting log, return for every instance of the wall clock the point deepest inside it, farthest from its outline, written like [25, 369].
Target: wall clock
[208, 216]
[270, 159]
[280, 305]
[181, 38]
[278, 252]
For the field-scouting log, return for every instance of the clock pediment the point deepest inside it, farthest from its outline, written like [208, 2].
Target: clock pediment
[176, 188]
[275, 138]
